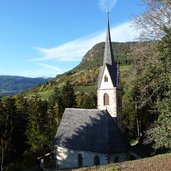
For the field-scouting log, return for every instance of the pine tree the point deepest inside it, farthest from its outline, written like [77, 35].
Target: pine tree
[21, 125]
[37, 128]
[151, 71]
[86, 100]
[159, 134]
[4, 138]
[68, 96]
[7, 131]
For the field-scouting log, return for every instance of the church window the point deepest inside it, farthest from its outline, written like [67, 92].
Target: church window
[96, 160]
[106, 99]
[105, 78]
[79, 160]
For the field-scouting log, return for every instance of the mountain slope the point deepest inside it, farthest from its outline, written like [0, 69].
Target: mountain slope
[10, 85]
[86, 73]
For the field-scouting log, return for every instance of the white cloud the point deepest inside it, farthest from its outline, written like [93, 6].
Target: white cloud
[76, 49]
[56, 69]
[124, 33]
[107, 6]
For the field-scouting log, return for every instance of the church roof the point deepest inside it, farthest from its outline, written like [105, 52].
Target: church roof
[89, 130]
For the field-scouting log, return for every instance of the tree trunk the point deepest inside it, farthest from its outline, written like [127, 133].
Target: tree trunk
[138, 128]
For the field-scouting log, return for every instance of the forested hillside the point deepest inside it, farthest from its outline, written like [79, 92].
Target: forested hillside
[84, 76]
[10, 85]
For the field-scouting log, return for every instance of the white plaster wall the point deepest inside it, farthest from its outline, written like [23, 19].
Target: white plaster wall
[106, 85]
[112, 107]
[67, 158]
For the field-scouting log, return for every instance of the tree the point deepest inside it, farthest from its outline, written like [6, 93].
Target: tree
[142, 90]
[129, 124]
[159, 133]
[4, 138]
[68, 96]
[8, 117]
[151, 83]
[37, 128]
[86, 100]
[155, 22]
[21, 126]
[56, 102]
[54, 118]
[62, 98]
[55, 109]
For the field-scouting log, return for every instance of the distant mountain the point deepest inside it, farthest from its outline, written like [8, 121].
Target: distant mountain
[10, 85]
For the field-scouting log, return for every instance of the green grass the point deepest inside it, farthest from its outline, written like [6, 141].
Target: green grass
[87, 89]
[46, 94]
[125, 68]
[49, 93]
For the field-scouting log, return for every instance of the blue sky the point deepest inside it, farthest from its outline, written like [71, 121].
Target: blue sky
[43, 38]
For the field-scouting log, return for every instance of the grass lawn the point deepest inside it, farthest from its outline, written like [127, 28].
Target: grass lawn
[87, 89]
[125, 68]
[46, 94]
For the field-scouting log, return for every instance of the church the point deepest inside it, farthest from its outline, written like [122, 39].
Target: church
[88, 137]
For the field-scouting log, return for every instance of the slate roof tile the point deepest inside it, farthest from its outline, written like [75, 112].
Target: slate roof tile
[89, 130]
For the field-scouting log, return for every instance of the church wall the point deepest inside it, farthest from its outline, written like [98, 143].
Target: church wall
[119, 157]
[112, 107]
[108, 84]
[68, 158]
[108, 88]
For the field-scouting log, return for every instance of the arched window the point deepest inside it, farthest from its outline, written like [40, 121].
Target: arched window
[106, 99]
[105, 78]
[116, 160]
[96, 160]
[79, 160]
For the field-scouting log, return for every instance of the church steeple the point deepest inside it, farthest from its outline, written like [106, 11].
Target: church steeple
[108, 93]
[108, 52]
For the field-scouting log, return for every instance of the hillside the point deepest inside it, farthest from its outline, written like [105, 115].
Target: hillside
[84, 76]
[10, 85]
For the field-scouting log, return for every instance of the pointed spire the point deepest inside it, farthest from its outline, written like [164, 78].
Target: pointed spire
[108, 53]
